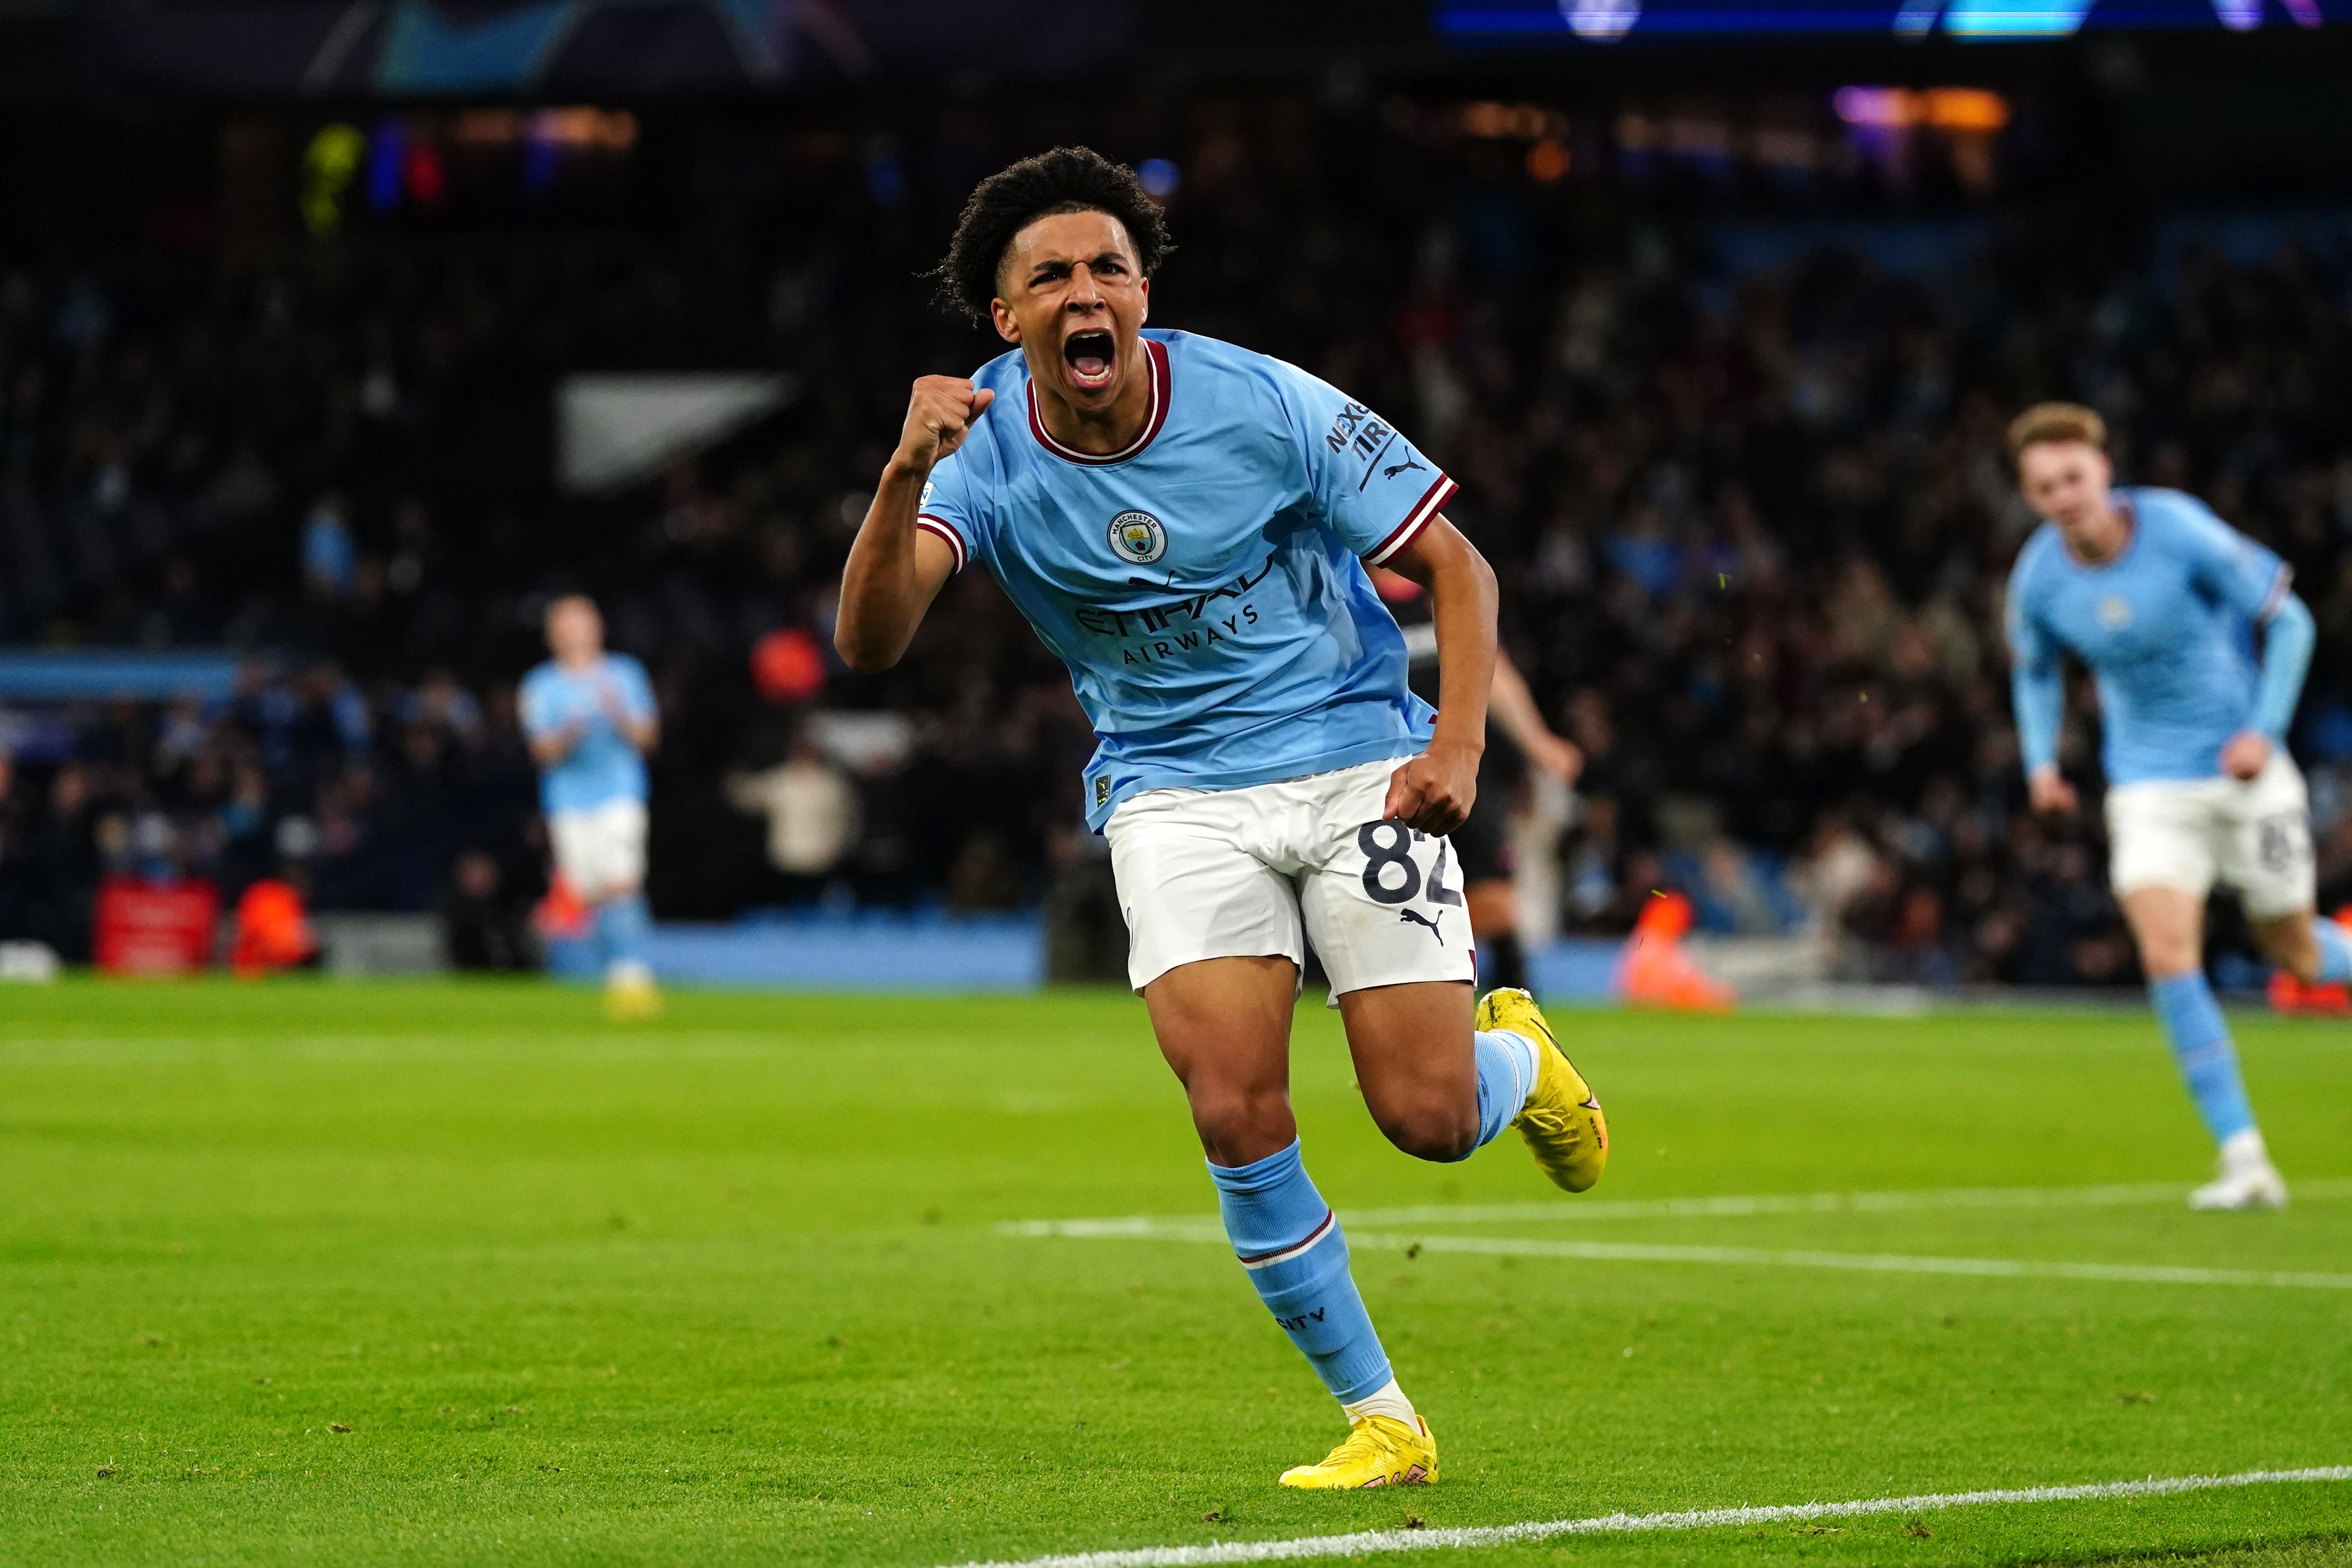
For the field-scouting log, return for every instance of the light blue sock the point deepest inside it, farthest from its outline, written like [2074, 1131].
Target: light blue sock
[600, 940]
[2200, 1045]
[625, 931]
[1289, 1240]
[1507, 1071]
[2335, 950]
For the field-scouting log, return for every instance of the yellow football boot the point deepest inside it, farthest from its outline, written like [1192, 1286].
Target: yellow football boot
[1380, 1451]
[1561, 1120]
[632, 1001]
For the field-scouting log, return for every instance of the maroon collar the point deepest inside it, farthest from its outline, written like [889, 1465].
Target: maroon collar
[1161, 386]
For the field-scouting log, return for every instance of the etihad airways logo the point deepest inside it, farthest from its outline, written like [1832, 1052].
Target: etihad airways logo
[1177, 627]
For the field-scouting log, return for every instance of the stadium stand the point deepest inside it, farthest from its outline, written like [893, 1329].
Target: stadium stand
[1743, 482]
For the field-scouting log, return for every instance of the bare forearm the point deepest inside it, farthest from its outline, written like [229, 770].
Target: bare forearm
[881, 600]
[1462, 603]
[1433, 791]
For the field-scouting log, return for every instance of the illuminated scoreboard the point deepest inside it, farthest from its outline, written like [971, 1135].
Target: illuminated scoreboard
[1607, 21]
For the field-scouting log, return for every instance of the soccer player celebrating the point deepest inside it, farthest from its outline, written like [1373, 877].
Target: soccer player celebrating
[590, 718]
[1188, 525]
[2160, 599]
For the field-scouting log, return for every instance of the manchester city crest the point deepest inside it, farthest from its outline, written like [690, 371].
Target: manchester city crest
[2114, 612]
[1138, 538]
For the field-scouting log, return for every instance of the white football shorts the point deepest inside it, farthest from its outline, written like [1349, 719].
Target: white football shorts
[2188, 833]
[1260, 871]
[600, 850]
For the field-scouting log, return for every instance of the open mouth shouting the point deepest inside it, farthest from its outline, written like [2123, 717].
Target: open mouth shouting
[1093, 358]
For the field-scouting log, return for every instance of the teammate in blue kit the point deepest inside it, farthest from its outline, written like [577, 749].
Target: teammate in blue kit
[590, 718]
[1188, 525]
[2163, 601]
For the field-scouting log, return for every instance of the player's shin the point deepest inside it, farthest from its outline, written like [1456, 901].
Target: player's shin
[2202, 1050]
[1289, 1240]
[625, 930]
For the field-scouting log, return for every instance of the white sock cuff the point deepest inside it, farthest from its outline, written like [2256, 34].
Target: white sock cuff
[1389, 1401]
[2242, 1149]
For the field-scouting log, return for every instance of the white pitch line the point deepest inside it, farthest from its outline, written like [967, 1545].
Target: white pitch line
[1367, 1543]
[1146, 1230]
[1741, 1205]
[1863, 1262]
[1730, 1206]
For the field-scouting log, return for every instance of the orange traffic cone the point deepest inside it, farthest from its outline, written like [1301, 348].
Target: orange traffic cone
[1654, 971]
[273, 929]
[561, 915]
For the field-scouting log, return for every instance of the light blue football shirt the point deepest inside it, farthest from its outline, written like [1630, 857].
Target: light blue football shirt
[604, 766]
[1203, 585]
[2167, 629]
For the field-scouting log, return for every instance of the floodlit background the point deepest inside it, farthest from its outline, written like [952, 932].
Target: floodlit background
[334, 339]
[337, 336]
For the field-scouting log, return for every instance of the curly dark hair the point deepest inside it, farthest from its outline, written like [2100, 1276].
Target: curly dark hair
[1065, 180]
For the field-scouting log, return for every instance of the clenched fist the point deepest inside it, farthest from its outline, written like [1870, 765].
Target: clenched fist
[2047, 788]
[2246, 755]
[1433, 791]
[939, 414]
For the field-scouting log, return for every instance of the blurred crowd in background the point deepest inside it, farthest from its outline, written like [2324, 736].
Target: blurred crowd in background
[1753, 518]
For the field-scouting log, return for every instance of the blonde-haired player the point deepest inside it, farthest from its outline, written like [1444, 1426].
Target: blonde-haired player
[2165, 602]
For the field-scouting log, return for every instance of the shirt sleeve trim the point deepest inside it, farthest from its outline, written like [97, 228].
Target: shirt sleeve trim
[946, 531]
[1440, 491]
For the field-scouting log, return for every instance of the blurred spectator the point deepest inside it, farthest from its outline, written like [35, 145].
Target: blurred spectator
[1732, 896]
[1752, 528]
[1086, 931]
[483, 925]
[811, 813]
[330, 559]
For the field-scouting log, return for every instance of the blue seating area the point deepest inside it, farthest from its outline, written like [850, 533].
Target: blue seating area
[104, 675]
[930, 951]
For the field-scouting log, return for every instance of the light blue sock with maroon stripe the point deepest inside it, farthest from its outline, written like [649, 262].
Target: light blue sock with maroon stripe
[1288, 1240]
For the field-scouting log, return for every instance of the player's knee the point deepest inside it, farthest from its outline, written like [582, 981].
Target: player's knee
[1443, 1134]
[2165, 956]
[1239, 1125]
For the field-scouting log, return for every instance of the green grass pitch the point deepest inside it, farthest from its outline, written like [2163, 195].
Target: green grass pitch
[450, 1273]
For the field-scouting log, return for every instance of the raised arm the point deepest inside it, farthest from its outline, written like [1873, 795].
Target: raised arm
[1435, 791]
[895, 569]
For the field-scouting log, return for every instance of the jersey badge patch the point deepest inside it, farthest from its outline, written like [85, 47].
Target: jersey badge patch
[2114, 612]
[1138, 538]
